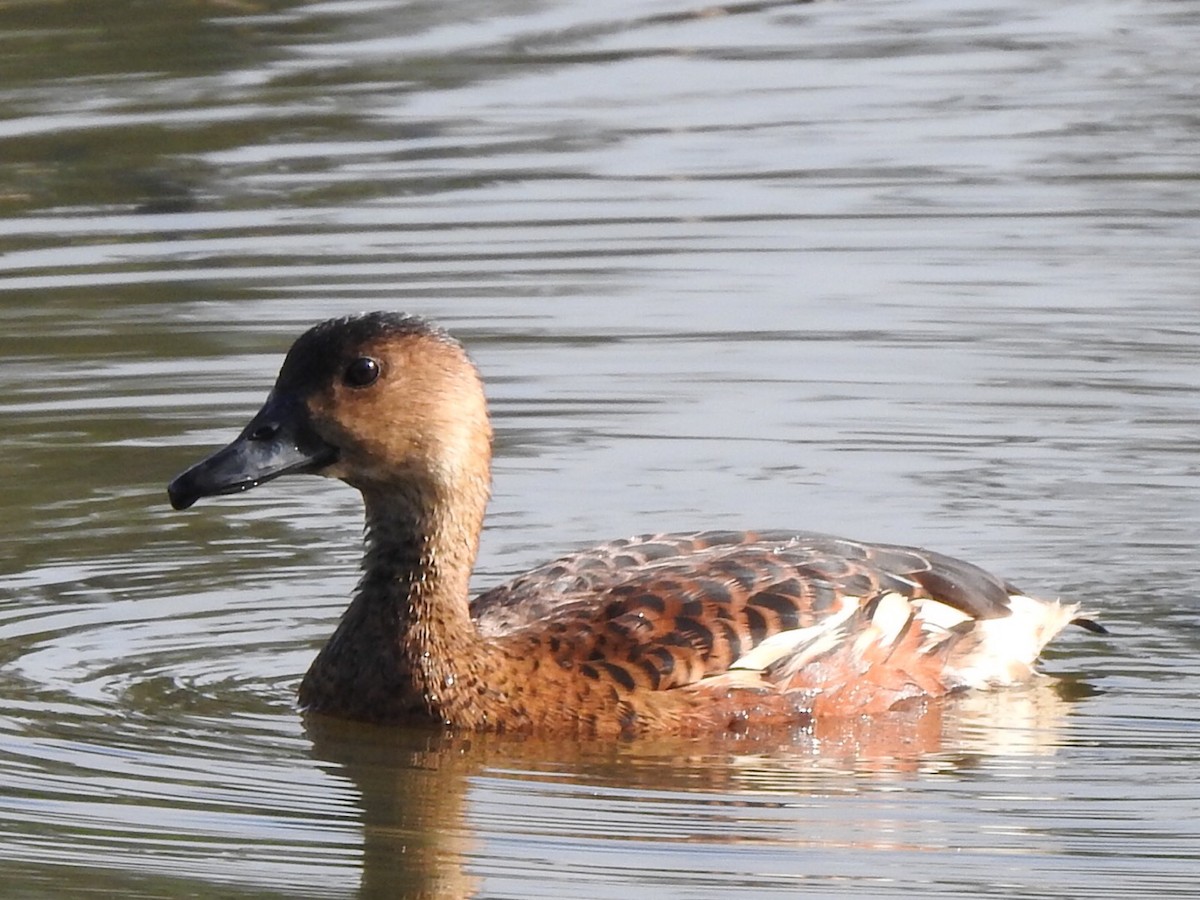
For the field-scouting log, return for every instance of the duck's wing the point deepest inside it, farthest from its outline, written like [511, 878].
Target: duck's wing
[710, 564]
[581, 579]
[769, 609]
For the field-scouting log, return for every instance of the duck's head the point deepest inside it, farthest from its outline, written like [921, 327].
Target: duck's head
[382, 401]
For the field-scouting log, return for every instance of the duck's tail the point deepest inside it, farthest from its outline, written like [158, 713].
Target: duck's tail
[875, 653]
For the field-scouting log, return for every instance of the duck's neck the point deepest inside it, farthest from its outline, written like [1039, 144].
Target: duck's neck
[420, 553]
[421, 548]
[407, 647]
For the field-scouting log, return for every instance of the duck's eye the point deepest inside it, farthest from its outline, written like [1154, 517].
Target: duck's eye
[361, 372]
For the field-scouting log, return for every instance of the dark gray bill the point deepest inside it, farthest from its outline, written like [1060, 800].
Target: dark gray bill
[279, 440]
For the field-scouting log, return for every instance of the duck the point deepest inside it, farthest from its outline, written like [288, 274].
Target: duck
[662, 634]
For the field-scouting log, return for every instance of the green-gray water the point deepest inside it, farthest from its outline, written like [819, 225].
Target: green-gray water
[918, 272]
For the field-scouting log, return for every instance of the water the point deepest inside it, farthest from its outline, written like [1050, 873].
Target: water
[920, 272]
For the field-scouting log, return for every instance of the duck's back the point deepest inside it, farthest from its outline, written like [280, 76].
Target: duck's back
[779, 611]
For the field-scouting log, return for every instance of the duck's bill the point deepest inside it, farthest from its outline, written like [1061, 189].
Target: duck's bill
[278, 441]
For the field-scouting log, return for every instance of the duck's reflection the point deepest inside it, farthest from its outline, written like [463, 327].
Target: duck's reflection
[422, 792]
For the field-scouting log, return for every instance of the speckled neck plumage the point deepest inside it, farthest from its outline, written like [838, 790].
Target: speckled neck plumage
[406, 647]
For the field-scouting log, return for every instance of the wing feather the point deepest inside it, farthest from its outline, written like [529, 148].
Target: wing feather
[672, 609]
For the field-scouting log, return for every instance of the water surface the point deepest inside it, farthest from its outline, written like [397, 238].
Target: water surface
[920, 272]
